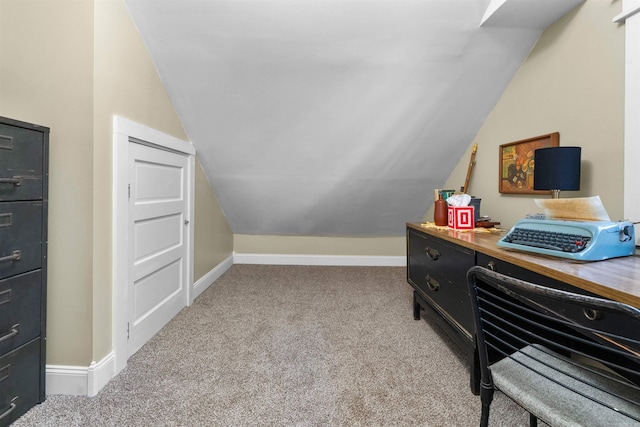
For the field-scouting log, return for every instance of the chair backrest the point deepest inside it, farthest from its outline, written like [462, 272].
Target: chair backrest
[547, 344]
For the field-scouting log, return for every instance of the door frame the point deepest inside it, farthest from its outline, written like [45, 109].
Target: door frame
[125, 132]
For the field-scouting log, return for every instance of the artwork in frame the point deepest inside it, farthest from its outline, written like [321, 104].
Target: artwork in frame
[517, 164]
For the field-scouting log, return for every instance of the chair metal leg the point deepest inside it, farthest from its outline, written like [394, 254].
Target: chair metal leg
[484, 417]
[533, 420]
[486, 396]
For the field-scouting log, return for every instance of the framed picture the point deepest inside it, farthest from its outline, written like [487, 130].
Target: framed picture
[517, 165]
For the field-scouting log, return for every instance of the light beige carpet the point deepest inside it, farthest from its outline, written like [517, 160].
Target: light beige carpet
[290, 346]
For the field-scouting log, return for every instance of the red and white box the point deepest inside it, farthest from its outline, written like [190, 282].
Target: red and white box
[461, 217]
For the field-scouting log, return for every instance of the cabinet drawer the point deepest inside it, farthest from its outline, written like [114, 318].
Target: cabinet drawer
[509, 269]
[20, 298]
[21, 163]
[438, 269]
[606, 322]
[449, 300]
[20, 237]
[437, 256]
[19, 381]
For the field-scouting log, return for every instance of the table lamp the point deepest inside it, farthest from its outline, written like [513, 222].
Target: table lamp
[556, 169]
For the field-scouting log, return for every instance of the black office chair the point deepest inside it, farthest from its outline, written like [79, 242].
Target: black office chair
[566, 358]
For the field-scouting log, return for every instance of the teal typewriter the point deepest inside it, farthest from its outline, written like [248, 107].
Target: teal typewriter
[577, 240]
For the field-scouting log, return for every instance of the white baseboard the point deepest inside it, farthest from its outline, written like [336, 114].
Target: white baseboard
[336, 260]
[205, 281]
[67, 380]
[99, 374]
[80, 380]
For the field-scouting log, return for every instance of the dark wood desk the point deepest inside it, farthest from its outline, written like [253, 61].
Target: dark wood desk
[437, 261]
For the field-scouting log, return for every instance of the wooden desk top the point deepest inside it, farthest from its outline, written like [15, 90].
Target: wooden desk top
[616, 278]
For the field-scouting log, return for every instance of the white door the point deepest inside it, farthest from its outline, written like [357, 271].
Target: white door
[158, 221]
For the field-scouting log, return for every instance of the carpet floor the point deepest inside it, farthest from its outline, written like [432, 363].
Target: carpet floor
[290, 346]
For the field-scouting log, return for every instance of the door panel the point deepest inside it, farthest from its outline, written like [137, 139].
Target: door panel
[157, 206]
[156, 289]
[159, 181]
[149, 242]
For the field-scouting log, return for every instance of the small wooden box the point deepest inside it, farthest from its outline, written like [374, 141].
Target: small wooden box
[461, 217]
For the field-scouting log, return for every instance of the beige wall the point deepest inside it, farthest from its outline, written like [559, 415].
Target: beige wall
[310, 245]
[213, 236]
[572, 83]
[46, 77]
[71, 65]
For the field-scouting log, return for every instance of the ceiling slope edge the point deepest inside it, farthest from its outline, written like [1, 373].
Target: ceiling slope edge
[534, 14]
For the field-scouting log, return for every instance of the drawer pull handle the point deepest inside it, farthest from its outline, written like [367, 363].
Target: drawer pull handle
[15, 256]
[432, 253]
[12, 333]
[5, 220]
[591, 314]
[5, 372]
[15, 181]
[491, 266]
[12, 406]
[432, 284]
[5, 296]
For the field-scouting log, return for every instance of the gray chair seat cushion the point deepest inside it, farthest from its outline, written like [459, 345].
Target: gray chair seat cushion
[555, 403]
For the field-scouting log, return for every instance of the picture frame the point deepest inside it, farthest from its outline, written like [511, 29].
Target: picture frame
[516, 164]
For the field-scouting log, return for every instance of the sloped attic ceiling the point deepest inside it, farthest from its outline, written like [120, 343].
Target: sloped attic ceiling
[335, 117]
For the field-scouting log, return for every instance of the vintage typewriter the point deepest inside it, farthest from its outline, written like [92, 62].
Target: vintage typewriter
[578, 240]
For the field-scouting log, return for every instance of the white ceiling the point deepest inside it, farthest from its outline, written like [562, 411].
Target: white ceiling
[335, 117]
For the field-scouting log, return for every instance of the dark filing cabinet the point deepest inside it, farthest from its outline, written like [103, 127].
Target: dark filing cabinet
[24, 152]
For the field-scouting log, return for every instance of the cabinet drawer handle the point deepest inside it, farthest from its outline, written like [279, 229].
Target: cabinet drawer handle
[491, 266]
[15, 256]
[432, 284]
[591, 314]
[15, 181]
[432, 253]
[5, 296]
[12, 406]
[12, 333]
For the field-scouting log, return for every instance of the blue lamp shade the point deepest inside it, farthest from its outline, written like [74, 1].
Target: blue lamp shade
[557, 168]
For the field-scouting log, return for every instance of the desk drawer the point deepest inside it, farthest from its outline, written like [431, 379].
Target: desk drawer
[438, 269]
[449, 300]
[20, 237]
[523, 274]
[20, 298]
[606, 322]
[19, 381]
[440, 257]
[21, 163]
